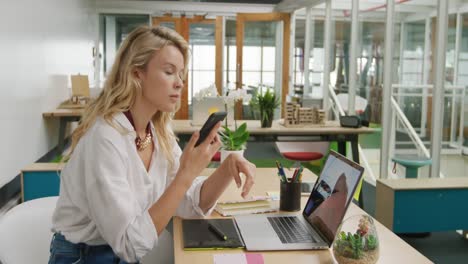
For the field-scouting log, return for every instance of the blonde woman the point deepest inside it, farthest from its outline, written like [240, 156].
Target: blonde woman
[126, 176]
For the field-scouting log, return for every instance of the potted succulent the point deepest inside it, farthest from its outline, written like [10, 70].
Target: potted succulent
[362, 246]
[265, 102]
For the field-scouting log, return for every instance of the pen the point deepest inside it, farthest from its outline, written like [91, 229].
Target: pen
[294, 177]
[217, 232]
[299, 174]
[281, 172]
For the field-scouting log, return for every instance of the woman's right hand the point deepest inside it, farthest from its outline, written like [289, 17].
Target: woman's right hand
[195, 159]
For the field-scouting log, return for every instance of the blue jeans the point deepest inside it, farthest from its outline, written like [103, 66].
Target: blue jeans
[64, 252]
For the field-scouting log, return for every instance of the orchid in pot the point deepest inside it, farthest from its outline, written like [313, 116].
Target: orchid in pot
[233, 140]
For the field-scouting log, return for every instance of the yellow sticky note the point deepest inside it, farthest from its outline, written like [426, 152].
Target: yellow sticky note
[213, 110]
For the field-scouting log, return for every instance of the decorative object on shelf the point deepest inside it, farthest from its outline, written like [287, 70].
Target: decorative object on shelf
[80, 93]
[266, 102]
[357, 241]
[297, 116]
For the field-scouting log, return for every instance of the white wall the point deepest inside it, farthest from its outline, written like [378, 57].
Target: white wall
[41, 44]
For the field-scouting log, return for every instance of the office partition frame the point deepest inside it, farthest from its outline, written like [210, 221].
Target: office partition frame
[327, 53]
[387, 91]
[439, 87]
[353, 57]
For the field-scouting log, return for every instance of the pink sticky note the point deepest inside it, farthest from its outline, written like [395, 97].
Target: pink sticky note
[254, 258]
[236, 258]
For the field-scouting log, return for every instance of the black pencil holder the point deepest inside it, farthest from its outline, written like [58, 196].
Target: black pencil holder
[290, 196]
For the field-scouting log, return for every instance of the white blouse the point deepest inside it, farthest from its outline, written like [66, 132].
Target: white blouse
[105, 191]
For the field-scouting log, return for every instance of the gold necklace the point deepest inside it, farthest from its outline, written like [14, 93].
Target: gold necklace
[142, 144]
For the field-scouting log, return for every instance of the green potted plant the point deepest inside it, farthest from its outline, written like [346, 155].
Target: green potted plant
[265, 102]
[234, 140]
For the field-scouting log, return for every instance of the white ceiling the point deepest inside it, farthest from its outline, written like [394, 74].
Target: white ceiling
[341, 8]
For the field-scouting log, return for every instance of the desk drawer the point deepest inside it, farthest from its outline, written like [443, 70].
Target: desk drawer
[430, 210]
[37, 184]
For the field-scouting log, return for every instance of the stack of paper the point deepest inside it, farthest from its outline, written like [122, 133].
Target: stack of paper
[251, 206]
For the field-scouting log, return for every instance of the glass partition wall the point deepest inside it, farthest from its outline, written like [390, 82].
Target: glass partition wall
[262, 53]
[259, 60]
[462, 76]
[201, 70]
[412, 68]
[113, 29]
[369, 61]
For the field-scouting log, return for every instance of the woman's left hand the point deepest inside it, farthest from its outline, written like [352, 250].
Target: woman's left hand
[231, 168]
[234, 165]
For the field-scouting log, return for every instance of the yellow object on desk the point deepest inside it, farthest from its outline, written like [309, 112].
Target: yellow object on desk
[251, 206]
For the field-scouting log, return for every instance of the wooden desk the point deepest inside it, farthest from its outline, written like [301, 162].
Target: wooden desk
[392, 248]
[64, 116]
[331, 131]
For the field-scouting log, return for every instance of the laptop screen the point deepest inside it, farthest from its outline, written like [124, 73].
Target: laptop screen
[331, 195]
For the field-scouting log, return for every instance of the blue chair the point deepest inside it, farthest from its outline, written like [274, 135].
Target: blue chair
[412, 164]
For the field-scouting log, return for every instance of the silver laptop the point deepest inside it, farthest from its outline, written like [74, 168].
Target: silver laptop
[317, 226]
[202, 109]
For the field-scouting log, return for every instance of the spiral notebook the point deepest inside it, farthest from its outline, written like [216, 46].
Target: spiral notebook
[197, 235]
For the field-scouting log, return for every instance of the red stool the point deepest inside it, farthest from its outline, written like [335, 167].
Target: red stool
[302, 151]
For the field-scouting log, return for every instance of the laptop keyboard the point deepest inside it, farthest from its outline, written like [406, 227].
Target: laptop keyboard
[290, 230]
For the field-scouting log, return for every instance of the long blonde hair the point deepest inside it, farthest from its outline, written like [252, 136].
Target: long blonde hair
[120, 88]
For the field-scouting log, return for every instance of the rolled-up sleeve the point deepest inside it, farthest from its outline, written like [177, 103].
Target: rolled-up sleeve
[190, 205]
[113, 207]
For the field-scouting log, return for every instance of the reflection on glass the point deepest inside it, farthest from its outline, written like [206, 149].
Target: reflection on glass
[463, 72]
[230, 55]
[259, 53]
[412, 72]
[451, 109]
[259, 60]
[114, 29]
[203, 58]
[298, 56]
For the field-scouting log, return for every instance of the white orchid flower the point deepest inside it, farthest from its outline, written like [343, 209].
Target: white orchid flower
[212, 90]
[209, 91]
[237, 95]
[229, 101]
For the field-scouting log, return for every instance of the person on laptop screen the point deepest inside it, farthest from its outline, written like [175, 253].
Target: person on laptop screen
[329, 198]
[330, 209]
[126, 176]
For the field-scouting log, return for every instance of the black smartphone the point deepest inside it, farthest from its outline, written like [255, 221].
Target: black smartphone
[212, 120]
